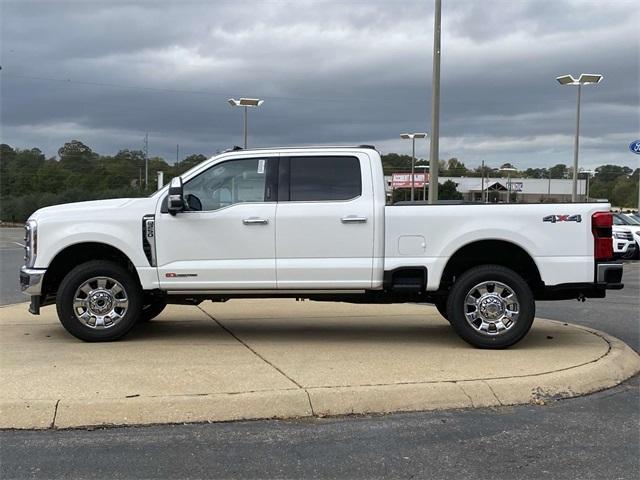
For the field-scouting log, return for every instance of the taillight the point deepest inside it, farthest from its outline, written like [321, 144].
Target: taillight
[601, 223]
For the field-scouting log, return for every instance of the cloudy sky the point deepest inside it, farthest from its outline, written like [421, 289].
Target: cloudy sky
[336, 72]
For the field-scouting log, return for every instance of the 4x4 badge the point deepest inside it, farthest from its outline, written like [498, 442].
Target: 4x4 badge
[562, 218]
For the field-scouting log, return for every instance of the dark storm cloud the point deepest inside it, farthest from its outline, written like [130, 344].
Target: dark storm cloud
[330, 72]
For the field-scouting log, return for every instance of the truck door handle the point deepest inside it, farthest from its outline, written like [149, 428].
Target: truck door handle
[353, 219]
[255, 221]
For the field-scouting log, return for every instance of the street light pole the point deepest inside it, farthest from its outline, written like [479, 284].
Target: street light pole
[482, 184]
[246, 103]
[589, 173]
[435, 106]
[413, 167]
[584, 79]
[576, 146]
[245, 126]
[412, 137]
[508, 169]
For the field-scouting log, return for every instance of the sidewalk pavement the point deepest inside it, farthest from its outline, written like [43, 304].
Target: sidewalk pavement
[251, 359]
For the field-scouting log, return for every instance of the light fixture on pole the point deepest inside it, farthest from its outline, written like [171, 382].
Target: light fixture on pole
[412, 137]
[509, 169]
[584, 79]
[246, 103]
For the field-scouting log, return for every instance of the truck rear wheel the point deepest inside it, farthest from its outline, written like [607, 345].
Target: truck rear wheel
[441, 305]
[98, 301]
[491, 306]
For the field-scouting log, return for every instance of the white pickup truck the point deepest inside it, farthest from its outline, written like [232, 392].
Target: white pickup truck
[311, 223]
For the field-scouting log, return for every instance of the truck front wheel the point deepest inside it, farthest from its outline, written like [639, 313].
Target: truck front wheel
[99, 301]
[491, 306]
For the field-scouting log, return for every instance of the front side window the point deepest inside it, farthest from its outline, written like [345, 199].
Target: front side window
[227, 183]
[324, 178]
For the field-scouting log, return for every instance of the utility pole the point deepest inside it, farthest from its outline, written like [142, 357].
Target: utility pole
[435, 106]
[146, 160]
[177, 153]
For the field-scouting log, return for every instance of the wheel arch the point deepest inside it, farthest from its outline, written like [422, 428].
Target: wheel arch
[492, 251]
[73, 255]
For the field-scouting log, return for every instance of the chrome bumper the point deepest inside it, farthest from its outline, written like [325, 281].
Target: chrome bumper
[31, 280]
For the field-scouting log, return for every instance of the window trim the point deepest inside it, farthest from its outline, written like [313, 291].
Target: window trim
[284, 179]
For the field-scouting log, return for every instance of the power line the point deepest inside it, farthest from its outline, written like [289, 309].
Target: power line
[193, 92]
[213, 93]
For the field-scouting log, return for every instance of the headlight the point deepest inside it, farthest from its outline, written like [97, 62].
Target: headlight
[30, 243]
[620, 236]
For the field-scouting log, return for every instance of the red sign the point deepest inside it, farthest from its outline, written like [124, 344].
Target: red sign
[403, 180]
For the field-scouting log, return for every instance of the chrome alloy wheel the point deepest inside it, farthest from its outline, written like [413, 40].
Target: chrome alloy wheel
[491, 308]
[100, 302]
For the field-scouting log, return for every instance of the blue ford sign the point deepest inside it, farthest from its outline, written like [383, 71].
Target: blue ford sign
[635, 147]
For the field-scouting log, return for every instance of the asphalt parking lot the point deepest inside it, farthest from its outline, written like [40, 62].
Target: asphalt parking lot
[594, 436]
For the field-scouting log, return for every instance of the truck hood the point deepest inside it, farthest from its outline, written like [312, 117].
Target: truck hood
[82, 210]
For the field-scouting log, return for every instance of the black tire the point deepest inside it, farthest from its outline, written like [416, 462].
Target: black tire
[441, 305]
[152, 309]
[628, 255]
[84, 273]
[464, 285]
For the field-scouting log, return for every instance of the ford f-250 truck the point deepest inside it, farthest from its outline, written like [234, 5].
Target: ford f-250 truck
[311, 223]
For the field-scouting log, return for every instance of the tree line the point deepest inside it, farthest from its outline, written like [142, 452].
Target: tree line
[29, 180]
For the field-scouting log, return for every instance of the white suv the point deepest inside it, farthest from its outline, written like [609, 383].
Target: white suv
[624, 245]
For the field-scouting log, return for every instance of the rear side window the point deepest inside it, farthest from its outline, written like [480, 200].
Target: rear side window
[324, 178]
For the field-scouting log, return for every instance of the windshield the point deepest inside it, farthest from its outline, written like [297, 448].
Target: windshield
[620, 219]
[632, 220]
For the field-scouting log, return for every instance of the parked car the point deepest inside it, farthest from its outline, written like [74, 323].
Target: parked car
[624, 245]
[311, 223]
[631, 224]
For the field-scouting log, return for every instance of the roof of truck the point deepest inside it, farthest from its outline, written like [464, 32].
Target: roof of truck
[300, 147]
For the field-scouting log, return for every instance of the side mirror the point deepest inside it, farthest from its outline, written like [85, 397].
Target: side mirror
[175, 200]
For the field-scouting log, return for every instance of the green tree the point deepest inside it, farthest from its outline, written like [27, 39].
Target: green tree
[75, 155]
[558, 171]
[536, 173]
[449, 191]
[392, 163]
[188, 163]
[455, 168]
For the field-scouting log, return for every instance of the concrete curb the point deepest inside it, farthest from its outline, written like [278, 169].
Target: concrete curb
[619, 363]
